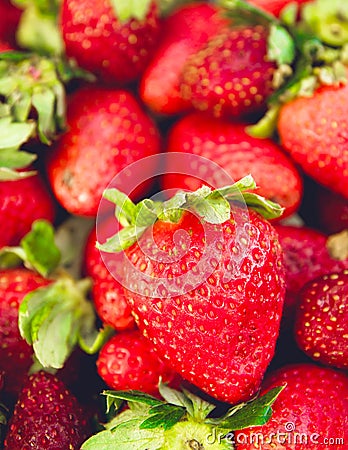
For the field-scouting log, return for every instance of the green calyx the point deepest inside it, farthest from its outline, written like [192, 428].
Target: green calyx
[182, 421]
[56, 318]
[125, 10]
[211, 206]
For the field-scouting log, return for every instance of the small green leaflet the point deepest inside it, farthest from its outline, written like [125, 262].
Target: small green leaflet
[254, 413]
[165, 416]
[12, 159]
[12, 134]
[281, 46]
[126, 10]
[114, 398]
[11, 175]
[37, 250]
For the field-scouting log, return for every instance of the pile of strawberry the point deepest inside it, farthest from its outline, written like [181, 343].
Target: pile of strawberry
[211, 316]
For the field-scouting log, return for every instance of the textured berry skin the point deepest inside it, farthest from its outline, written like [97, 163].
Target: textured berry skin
[107, 292]
[46, 416]
[274, 6]
[129, 361]
[108, 131]
[15, 353]
[228, 145]
[116, 51]
[185, 32]
[322, 318]
[315, 401]
[305, 257]
[220, 335]
[231, 74]
[22, 202]
[314, 131]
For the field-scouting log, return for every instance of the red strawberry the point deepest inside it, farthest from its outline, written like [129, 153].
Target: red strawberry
[15, 353]
[9, 18]
[46, 416]
[332, 211]
[21, 203]
[107, 292]
[103, 38]
[108, 131]
[208, 292]
[313, 130]
[229, 146]
[322, 317]
[184, 33]
[232, 74]
[275, 6]
[309, 414]
[129, 361]
[4, 46]
[305, 257]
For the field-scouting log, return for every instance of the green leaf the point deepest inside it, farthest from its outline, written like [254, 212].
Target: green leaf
[266, 208]
[175, 397]
[126, 10]
[213, 209]
[133, 396]
[124, 239]
[201, 408]
[13, 135]
[40, 249]
[255, 413]
[244, 13]
[54, 319]
[43, 101]
[164, 416]
[11, 257]
[281, 46]
[125, 210]
[147, 212]
[13, 159]
[11, 175]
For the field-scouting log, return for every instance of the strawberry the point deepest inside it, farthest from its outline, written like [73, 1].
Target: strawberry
[108, 131]
[322, 317]
[228, 145]
[112, 40]
[9, 18]
[275, 6]
[306, 257]
[15, 353]
[21, 203]
[199, 285]
[310, 413]
[312, 130]
[129, 361]
[332, 211]
[46, 416]
[184, 32]
[107, 292]
[232, 74]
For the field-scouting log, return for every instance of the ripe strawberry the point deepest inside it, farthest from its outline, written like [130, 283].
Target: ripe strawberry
[228, 145]
[312, 130]
[232, 74]
[185, 32]
[9, 18]
[275, 6]
[129, 361]
[305, 257]
[21, 203]
[107, 292]
[332, 211]
[4, 46]
[108, 130]
[15, 353]
[207, 291]
[105, 39]
[46, 416]
[322, 317]
[308, 414]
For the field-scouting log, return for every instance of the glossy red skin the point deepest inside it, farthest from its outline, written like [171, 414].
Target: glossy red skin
[9, 18]
[220, 336]
[322, 318]
[107, 293]
[314, 132]
[228, 145]
[108, 131]
[184, 33]
[275, 6]
[230, 75]
[305, 258]
[116, 52]
[129, 361]
[332, 211]
[21, 203]
[315, 400]
[46, 416]
[15, 353]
